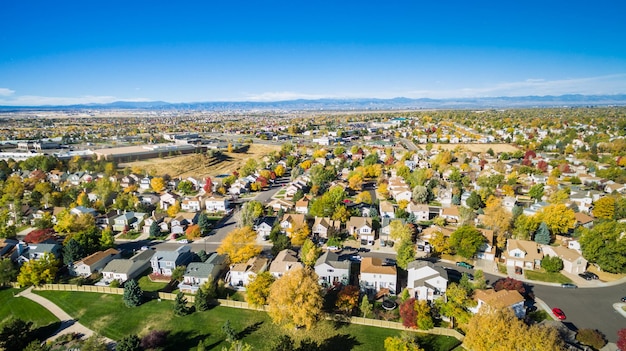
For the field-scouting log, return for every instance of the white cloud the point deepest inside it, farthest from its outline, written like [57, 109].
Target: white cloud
[6, 92]
[33, 100]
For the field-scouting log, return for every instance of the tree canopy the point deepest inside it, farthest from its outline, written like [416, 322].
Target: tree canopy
[240, 245]
[466, 241]
[295, 299]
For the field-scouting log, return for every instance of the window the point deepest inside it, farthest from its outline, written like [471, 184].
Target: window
[517, 254]
[330, 270]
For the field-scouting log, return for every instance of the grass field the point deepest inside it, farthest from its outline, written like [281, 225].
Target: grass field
[200, 165]
[546, 277]
[44, 322]
[476, 147]
[107, 315]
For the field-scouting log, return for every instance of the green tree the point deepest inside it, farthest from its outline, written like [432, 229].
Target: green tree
[250, 211]
[258, 290]
[180, 305]
[605, 245]
[15, 334]
[8, 272]
[94, 343]
[424, 315]
[107, 240]
[155, 230]
[186, 187]
[204, 223]
[400, 231]
[474, 201]
[542, 235]
[552, 264]
[466, 241]
[178, 273]
[406, 253]
[456, 304]
[404, 342]
[604, 208]
[204, 295]
[309, 252]
[39, 271]
[536, 191]
[133, 295]
[420, 194]
[129, 343]
[229, 333]
[525, 226]
[72, 251]
[366, 306]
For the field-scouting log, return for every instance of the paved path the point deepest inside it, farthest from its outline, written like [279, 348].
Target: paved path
[68, 324]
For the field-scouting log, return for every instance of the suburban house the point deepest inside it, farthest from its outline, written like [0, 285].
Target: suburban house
[361, 228]
[179, 224]
[144, 183]
[331, 270]
[192, 204]
[302, 206]
[125, 269]
[499, 299]
[124, 221]
[291, 221]
[93, 263]
[583, 220]
[385, 227]
[523, 253]
[280, 205]
[420, 211]
[167, 199]
[488, 249]
[285, 261]
[216, 203]
[241, 274]
[375, 276]
[573, 261]
[198, 273]
[386, 209]
[451, 214]
[425, 281]
[106, 220]
[81, 210]
[26, 252]
[263, 226]
[325, 227]
[159, 219]
[163, 262]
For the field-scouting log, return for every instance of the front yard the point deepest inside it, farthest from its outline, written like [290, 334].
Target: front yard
[108, 315]
[546, 277]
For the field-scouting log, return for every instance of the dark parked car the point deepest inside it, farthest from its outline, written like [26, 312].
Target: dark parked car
[389, 262]
[569, 286]
[464, 265]
[592, 275]
[624, 299]
[585, 276]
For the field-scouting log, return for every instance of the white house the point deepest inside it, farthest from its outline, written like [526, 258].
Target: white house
[420, 211]
[375, 276]
[492, 299]
[192, 204]
[487, 250]
[93, 263]
[324, 227]
[573, 261]
[166, 200]
[125, 269]
[386, 209]
[426, 281]
[361, 227]
[216, 203]
[241, 274]
[263, 227]
[331, 270]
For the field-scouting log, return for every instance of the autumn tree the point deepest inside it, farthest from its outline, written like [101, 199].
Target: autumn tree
[536, 191]
[406, 253]
[366, 306]
[258, 290]
[295, 299]
[404, 342]
[299, 234]
[250, 211]
[525, 226]
[383, 191]
[558, 217]
[400, 231]
[279, 170]
[348, 299]
[355, 182]
[501, 330]
[157, 184]
[604, 208]
[193, 232]
[466, 241]
[509, 283]
[364, 197]
[498, 219]
[420, 194]
[240, 245]
[173, 210]
[455, 305]
[309, 253]
[591, 337]
[341, 214]
[39, 271]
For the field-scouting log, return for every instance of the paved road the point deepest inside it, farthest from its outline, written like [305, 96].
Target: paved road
[68, 324]
[409, 144]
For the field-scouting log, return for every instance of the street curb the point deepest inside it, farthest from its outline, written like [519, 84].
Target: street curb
[618, 306]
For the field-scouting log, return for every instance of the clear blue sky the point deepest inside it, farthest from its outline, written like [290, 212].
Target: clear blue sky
[59, 52]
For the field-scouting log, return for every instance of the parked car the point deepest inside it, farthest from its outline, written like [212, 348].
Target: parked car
[592, 275]
[623, 299]
[355, 258]
[569, 286]
[464, 265]
[183, 241]
[558, 313]
[585, 276]
[518, 270]
[389, 262]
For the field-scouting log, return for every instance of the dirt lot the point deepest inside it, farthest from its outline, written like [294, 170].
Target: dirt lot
[199, 165]
[477, 147]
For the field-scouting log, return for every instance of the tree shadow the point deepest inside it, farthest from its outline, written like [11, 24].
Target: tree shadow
[249, 330]
[340, 321]
[339, 342]
[46, 331]
[183, 340]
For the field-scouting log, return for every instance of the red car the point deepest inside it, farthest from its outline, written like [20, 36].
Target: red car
[558, 313]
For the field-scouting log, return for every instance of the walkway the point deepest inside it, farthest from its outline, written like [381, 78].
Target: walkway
[68, 325]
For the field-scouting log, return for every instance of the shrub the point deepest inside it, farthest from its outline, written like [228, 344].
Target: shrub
[591, 337]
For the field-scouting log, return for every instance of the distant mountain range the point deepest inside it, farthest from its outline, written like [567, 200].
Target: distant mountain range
[400, 103]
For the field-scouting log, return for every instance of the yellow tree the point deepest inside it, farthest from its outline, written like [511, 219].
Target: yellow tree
[230, 147]
[295, 299]
[258, 289]
[82, 199]
[355, 182]
[383, 190]
[498, 219]
[306, 164]
[341, 214]
[364, 197]
[173, 210]
[39, 271]
[402, 204]
[157, 184]
[558, 217]
[400, 231]
[398, 343]
[508, 190]
[193, 232]
[604, 208]
[240, 245]
[279, 170]
[501, 330]
[299, 234]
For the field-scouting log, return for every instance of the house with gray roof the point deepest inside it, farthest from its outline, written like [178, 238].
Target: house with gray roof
[425, 281]
[164, 261]
[331, 270]
[198, 273]
[125, 269]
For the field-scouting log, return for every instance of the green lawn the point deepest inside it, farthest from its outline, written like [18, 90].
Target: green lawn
[19, 307]
[546, 277]
[148, 285]
[108, 315]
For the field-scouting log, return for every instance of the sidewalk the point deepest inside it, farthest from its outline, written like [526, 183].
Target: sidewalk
[68, 325]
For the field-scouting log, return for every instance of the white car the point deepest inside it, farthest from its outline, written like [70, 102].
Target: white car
[183, 241]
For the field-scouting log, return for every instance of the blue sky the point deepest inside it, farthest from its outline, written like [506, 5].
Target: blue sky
[65, 52]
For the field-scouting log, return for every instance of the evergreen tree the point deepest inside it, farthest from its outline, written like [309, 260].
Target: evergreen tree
[204, 223]
[180, 305]
[129, 343]
[72, 251]
[229, 333]
[155, 230]
[542, 235]
[15, 334]
[133, 295]
[202, 255]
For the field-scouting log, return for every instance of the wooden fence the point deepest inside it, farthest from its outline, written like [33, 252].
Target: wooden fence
[244, 305]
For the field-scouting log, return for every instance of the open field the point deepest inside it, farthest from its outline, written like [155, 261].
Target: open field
[44, 322]
[200, 165]
[108, 315]
[476, 147]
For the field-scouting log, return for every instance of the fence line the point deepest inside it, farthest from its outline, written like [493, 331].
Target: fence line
[244, 305]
